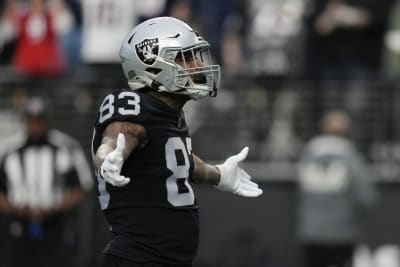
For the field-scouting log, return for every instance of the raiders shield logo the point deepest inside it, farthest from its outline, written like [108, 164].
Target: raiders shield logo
[147, 50]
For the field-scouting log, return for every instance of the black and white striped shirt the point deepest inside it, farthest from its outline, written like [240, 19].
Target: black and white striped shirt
[38, 174]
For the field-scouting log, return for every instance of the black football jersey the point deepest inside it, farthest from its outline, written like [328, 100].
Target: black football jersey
[155, 216]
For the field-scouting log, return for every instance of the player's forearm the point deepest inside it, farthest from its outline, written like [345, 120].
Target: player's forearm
[205, 173]
[135, 136]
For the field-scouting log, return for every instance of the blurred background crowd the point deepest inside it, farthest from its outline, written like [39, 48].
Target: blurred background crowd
[285, 64]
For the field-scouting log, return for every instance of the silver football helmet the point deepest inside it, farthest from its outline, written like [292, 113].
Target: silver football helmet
[150, 52]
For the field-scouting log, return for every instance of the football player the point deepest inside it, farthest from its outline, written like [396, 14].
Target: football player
[143, 151]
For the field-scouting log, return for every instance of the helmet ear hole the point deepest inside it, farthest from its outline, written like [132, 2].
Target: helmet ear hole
[153, 70]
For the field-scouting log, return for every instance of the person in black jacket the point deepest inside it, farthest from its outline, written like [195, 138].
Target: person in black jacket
[344, 38]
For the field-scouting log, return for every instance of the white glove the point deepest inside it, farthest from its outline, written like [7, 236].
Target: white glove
[234, 179]
[110, 169]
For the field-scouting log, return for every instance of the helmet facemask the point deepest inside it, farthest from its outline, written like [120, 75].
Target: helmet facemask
[196, 75]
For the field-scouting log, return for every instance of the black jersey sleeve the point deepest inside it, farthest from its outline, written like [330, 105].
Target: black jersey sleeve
[120, 105]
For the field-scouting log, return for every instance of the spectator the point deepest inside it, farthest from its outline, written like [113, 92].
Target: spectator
[343, 51]
[68, 14]
[335, 194]
[104, 26]
[150, 8]
[38, 52]
[43, 177]
[213, 15]
[8, 31]
[391, 55]
[232, 57]
[344, 38]
[273, 37]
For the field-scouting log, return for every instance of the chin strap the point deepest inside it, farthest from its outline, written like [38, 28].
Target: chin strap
[141, 81]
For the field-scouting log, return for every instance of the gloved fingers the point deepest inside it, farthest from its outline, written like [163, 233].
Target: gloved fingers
[114, 157]
[253, 192]
[118, 159]
[120, 143]
[124, 181]
[110, 159]
[243, 174]
[248, 186]
[250, 183]
[242, 188]
[120, 180]
[111, 168]
[240, 156]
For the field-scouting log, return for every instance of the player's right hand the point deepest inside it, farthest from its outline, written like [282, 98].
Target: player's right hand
[110, 169]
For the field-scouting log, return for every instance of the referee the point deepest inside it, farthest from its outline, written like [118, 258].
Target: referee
[44, 175]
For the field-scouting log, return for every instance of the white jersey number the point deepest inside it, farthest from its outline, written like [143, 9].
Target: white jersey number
[131, 107]
[180, 193]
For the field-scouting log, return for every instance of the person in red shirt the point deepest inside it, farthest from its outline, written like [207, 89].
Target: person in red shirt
[38, 52]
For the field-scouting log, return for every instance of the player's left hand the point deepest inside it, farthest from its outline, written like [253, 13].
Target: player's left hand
[234, 179]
